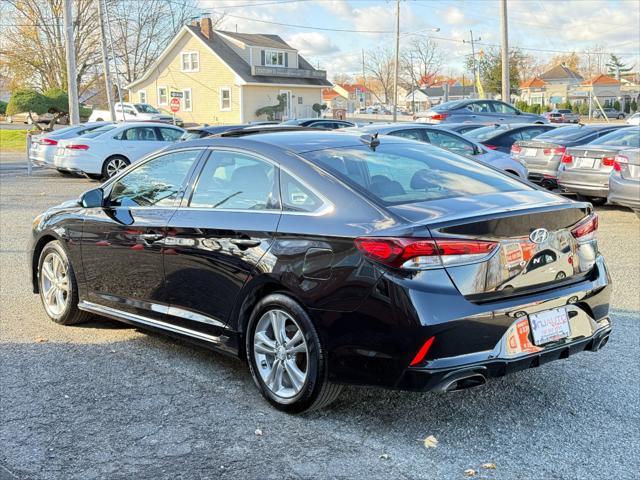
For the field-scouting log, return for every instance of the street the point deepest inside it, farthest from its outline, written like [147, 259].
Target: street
[105, 400]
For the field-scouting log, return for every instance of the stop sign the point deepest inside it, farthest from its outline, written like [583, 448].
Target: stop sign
[174, 105]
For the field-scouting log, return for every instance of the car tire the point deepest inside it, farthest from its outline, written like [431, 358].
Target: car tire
[58, 287]
[561, 275]
[620, 117]
[99, 119]
[291, 374]
[114, 165]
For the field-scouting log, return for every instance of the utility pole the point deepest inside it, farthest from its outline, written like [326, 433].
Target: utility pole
[506, 86]
[113, 54]
[72, 84]
[473, 61]
[396, 67]
[105, 61]
[364, 79]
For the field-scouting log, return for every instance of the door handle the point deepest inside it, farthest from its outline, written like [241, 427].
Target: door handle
[245, 242]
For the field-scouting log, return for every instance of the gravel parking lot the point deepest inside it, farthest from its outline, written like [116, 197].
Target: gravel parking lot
[105, 400]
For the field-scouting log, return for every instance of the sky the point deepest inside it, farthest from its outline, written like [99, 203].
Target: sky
[539, 27]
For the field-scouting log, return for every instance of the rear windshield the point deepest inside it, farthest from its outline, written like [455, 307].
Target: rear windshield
[98, 131]
[627, 137]
[402, 173]
[193, 134]
[452, 105]
[64, 131]
[566, 134]
[484, 133]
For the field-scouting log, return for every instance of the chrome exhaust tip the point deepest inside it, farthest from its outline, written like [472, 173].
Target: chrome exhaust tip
[458, 383]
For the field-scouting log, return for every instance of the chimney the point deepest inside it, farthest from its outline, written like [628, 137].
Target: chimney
[206, 27]
[194, 22]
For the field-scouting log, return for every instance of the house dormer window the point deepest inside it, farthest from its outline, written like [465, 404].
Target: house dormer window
[190, 61]
[275, 58]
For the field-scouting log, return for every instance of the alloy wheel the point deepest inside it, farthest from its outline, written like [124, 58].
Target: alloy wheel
[115, 166]
[54, 284]
[281, 354]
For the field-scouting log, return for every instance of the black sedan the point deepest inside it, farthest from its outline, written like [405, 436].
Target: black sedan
[331, 258]
[322, 123]
[202, 131]
[501, 137]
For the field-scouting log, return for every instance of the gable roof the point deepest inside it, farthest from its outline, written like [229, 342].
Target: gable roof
[351, 87]
[561, 72]
[535, 82]
[329, 94]
[235, 62]
[601, 80]
[258, 39]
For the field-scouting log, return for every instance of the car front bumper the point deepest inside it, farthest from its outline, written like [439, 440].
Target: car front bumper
[624, 192]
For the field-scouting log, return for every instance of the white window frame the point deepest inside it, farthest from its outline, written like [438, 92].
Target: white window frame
[267, 58]
[222, 108]
[186, 91]
[189, 64]
[166, 96]
[142, 96]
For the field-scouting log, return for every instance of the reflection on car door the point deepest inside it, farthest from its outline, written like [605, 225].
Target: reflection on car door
[122, 242]
[218, 235]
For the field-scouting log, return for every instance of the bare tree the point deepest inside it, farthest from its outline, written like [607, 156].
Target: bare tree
[342, 78]
[421, 62]
[379, 65]
[32, 51]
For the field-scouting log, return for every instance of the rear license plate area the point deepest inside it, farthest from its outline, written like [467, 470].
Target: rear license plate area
[586, 162]
[530, 152]
[549, 326]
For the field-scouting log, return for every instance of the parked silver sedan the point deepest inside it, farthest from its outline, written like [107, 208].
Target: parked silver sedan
[585, 169]
[624, 181]
[477, 111]
[44, 146]
[449, 140]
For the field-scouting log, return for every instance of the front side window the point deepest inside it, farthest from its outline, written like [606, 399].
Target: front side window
[162, 95]
[170, 134]
[401, 173]
[154, 183]
[225, 99]
[237, 181]
[413, 134]
[480, 107]
[451, 142]
[140, 134]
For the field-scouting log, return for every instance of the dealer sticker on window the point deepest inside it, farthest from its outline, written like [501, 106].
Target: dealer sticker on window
[549, 326]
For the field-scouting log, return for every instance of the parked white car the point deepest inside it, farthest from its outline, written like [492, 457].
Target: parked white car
[634, 119]
[107, 150]
[44, 146]
[134, 112]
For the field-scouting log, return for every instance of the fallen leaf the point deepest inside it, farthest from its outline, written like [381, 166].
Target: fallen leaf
[489, 466]
[470, 472]
[430, 442]
[258, 432]
[385, 456]
[41, 340]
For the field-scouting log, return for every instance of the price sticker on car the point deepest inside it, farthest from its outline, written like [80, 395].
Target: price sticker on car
[549, 326]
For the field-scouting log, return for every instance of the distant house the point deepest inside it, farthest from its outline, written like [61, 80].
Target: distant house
[334, 100]
[605, 88]
[421, 99]
[550, 88]
[224, 77]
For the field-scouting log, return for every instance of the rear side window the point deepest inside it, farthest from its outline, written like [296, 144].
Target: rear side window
[484, 133]
[451, 142]
[411, 133]
[401, 173]
[238, 181]
[140, 134]
[296, 197]
[170, 134]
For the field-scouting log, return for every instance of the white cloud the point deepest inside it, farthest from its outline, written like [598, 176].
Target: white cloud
[454, 16]
[312, 43]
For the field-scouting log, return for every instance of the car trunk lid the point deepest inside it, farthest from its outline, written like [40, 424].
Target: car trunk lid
[539, 152]
[533, 232]
[591, 158]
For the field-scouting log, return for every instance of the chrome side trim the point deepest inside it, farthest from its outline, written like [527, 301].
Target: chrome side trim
[135, 318]
[196, 317]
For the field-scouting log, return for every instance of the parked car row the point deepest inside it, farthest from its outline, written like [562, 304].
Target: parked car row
[477, 111]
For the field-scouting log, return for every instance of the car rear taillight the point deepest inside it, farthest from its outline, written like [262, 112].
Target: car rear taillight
[566, 158]
[422, 352]
[490, 147]
[438, 116]
[608, 161]
[586, 229]
[77, 147]
[619, 161]
[515, 148]
[421, 253]
[554, 151]
[47, 141]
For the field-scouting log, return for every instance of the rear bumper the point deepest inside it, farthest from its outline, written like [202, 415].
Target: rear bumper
[583, 182]
[624, 192]
[85, 163]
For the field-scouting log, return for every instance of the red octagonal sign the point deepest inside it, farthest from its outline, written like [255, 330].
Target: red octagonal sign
[174, 105]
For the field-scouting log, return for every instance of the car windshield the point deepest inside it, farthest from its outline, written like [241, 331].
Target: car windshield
[565, 134]
[145, 108]
[627, 137]
[398, 173]
[98, 131]
[485, 133]
[452, 105]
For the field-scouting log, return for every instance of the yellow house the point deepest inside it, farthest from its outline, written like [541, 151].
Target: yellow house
[224, 77]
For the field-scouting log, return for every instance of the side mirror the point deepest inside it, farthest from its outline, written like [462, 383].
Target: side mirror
[92, 198]
[518, 112]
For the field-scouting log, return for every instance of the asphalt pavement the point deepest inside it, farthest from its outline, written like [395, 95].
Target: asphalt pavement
[107, 401]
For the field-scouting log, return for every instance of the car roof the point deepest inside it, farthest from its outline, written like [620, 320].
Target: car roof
[217, 128]
[292, 141]
[146, 124]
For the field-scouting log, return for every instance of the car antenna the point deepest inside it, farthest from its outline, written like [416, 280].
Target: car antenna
[371, 141]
